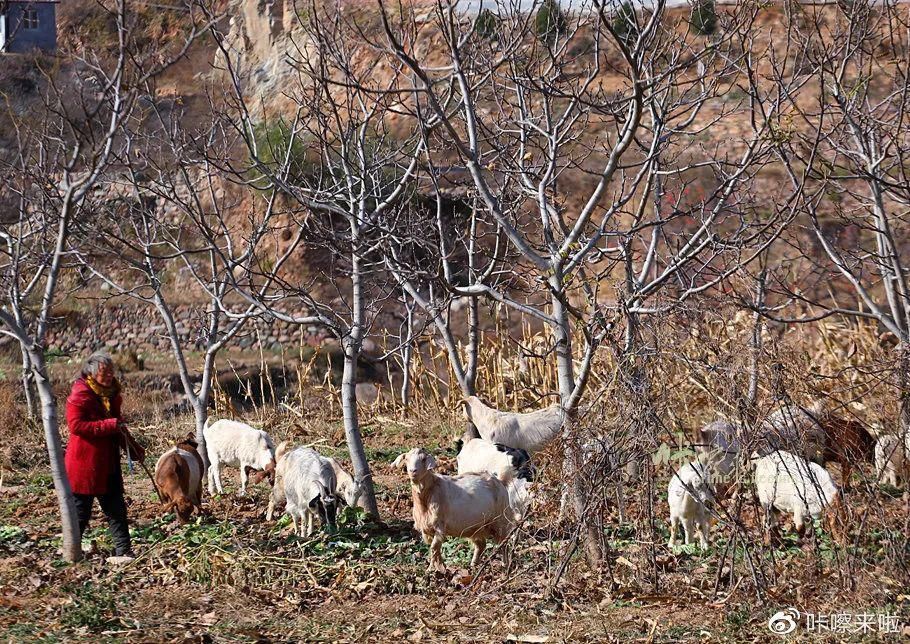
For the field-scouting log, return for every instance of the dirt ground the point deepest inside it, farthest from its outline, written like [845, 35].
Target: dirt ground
[232, 577]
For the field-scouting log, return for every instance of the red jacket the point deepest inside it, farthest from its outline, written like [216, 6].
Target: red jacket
[93, 452]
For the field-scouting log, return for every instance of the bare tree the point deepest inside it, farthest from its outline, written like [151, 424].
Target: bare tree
[344, 165]
[62, 154]
[845, 147]
[434, 252]
[170, 213]
[529, 114]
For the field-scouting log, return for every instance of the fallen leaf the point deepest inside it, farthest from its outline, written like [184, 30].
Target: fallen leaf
[625, 562]
[529, 639]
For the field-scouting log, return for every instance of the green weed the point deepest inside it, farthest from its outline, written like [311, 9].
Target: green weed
[94, 607]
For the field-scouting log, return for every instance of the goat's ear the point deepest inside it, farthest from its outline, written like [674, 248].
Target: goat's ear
[314, 502]
[431, 462]
[399, 462]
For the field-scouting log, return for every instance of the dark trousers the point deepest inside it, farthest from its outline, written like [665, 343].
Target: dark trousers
[114, 508]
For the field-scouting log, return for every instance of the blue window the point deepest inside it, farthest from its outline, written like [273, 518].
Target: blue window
[30, 19]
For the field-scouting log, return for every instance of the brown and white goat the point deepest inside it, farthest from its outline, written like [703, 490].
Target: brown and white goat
[847, 442]
[818, 434]
[472, 506]
[178, 475]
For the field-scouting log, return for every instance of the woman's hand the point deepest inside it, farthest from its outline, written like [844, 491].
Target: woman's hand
[137, 451]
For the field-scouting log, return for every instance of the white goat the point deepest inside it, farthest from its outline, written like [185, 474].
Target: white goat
[479, 456]
[690, 494]
[305, 481]
[785, 482]
[528, 431]
[473, 506]
[509, 465]
[891, 463]
[229, 442]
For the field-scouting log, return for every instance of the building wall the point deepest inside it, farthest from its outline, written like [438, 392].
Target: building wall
[20, 40]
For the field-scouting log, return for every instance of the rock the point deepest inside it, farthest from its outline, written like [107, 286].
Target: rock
[367, 393]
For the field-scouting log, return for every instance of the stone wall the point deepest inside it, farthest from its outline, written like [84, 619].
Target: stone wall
[140, 329]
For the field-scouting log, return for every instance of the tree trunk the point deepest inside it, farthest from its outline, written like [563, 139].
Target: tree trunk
[201, 414]
[470, 373]
[750, 404]
[72, 540]
[28, 385]
[407, 356]
[352, 428]
[352, 343]
[904, 388]
[566, 375]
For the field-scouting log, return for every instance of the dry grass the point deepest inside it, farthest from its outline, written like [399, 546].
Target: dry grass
[237, 578]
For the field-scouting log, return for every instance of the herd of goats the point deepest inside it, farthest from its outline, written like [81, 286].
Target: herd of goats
[490, 494]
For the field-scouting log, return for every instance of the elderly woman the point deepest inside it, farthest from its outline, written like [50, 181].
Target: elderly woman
[97, 432]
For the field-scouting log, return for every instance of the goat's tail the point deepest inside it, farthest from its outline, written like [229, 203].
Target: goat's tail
[281, 450]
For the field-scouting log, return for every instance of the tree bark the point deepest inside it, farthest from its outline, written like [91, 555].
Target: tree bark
[904, 388]
[72, 540]
[352, 344]
[28, 385]
[750, 404]
[566, 376]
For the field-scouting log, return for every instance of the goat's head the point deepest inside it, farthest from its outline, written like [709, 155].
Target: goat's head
[266, 474]
[325, 503]
[183, 507]
[190, 439]
[350, 492]
[466, 407]
[416, 463]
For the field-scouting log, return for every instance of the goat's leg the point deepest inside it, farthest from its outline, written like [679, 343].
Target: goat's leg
[436, 564]
[799, 523]
[294, 523]
[216, 476]
[674, 520]
[479, 546]
[270, 511]
[689, 528]
[767, 523]
[244, 477]
[703, 529]
[507, 546]
[310, 524]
